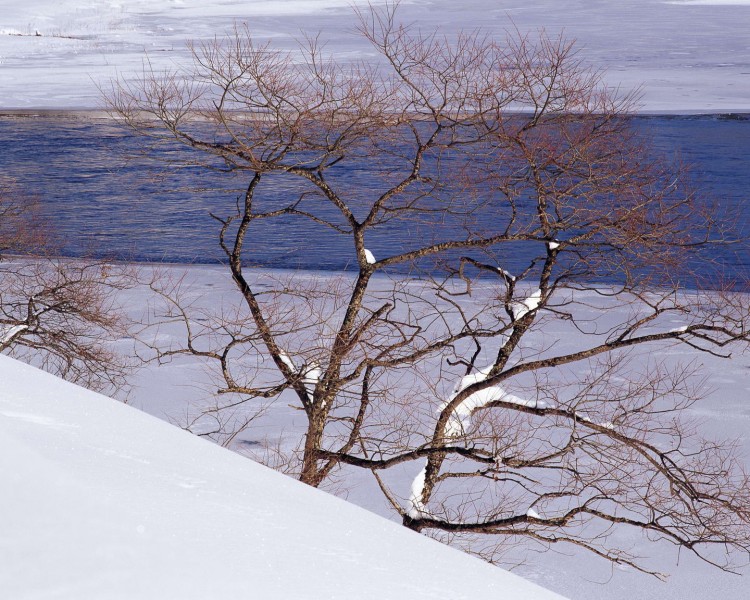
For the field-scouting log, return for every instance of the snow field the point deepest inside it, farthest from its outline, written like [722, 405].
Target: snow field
[182, 387]
[685, 56]
[103, 501]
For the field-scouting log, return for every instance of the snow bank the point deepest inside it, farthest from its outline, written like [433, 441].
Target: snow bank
[688, 55]
[102, 501]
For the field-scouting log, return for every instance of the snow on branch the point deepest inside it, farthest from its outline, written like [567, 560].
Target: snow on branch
[457, 424]
[285, 358]
[506, 274]
[7, 336]
[311, 377]
[522, 308]
[416, 508]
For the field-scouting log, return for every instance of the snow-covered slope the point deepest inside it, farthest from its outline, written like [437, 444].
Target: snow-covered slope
[99, 500]
[689, 55]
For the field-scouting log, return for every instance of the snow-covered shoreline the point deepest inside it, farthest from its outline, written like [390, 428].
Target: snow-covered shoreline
[168, 392]
[685, 57]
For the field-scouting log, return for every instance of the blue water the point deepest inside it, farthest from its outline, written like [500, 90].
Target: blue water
[102, 196]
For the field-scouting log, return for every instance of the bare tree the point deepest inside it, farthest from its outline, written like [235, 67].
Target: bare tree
[514, 346]
[56, 313]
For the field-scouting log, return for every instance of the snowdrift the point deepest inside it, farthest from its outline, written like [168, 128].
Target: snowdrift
[100, 500]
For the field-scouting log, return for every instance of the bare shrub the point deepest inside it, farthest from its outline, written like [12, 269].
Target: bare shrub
[57, 313]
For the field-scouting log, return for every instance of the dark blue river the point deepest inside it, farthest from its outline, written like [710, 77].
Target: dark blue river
[103, 197]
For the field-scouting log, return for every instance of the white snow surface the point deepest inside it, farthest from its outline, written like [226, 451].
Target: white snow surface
[369, 257]
[686, 56]
[57, 489]
[167, 391]
[100, 500]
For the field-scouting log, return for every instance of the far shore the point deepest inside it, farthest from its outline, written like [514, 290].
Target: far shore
[99, 114]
